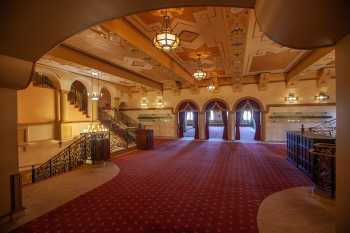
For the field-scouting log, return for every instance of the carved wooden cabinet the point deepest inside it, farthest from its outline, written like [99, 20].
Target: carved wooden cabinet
[298, 150]
[100, 149]
[144, 139]
[325, 168]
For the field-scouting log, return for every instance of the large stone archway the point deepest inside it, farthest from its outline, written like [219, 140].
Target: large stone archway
[66, 18]
[54, 22]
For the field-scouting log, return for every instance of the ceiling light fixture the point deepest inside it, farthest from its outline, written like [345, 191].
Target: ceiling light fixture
[291, 98]
[199, 74]
[95, 95]
[211, 87]
[322, 97]
[165, 39]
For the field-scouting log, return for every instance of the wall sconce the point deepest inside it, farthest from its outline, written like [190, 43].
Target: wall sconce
[322, 97]
[291, 98]
[159, 102]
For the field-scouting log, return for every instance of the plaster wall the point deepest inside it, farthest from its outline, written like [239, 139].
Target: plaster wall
[8, 145]
[275, 94]
[41, 132]
[35, 105]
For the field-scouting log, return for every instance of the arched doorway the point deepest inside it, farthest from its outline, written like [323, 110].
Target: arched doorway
[248, 120]
[105, 101]
[188, 118]
[78, 96]
[216, 115]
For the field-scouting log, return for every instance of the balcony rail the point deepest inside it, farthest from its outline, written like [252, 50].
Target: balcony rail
[73, 156]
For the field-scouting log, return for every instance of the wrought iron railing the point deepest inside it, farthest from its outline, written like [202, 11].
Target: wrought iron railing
[125, 119]
[73, 156]
[327, 128]
[79, 99]
[127, 134]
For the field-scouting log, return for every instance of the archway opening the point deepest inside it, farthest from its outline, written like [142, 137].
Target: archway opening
[248, 121]
[105, 101]
[188, 120]
[78, 96]
[216, 115]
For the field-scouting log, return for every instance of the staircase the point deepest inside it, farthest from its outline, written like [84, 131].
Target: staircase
[125, 119]
[72, 157]
[79, 100]
[122, 136]
[326, 128]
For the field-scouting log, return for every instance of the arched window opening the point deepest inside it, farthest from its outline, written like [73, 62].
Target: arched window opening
[78, 96]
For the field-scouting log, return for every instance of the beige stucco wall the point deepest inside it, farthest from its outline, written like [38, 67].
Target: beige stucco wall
[275, 94]
[8, 145]
[35, 105]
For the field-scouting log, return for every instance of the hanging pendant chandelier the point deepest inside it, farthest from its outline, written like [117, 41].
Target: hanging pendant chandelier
[95, 95]
[199, 74]
[165, 39]
[211, 87]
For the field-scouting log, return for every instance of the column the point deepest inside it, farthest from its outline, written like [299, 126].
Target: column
[201, 125]
[63, 105]
[9, 153]
[94, 110]
[230, 125]
[343, 132]
[63, 111]
[57, 115]
[233, 125]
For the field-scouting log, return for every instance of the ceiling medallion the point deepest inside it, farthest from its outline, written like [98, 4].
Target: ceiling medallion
[199, 74]
[165, 39]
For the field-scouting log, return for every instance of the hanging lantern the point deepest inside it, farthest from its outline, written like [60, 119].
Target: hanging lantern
[291, 98]
[322, 97]
[95, 96]
[165, 39]
[199, 74]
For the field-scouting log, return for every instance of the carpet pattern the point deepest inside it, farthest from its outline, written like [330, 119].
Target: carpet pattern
[180, 187]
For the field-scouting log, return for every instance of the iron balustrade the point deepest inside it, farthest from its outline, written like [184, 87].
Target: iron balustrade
[73, 156]
[126, 134]
[327, 128]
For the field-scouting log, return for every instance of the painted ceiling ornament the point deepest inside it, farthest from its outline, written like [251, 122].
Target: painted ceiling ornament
[166, 39]
[199, 74]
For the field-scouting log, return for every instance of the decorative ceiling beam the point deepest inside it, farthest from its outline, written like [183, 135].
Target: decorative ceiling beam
[315, 55]
[69, 54]
[129, 33]
[324, 77]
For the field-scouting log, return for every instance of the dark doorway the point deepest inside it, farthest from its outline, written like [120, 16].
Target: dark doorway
[248, 121]
[216, 120]
[188, 120]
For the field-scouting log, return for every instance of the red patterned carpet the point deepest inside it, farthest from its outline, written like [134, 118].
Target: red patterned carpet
[181, 186]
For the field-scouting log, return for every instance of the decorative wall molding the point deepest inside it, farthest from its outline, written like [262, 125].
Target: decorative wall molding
[298, 105]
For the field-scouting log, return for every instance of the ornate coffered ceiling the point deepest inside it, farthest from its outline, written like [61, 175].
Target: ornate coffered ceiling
[232, 48]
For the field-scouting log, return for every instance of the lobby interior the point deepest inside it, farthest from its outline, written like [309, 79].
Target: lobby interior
[175, 116]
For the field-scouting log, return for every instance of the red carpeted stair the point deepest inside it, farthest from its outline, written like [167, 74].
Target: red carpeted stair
[181, 186]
